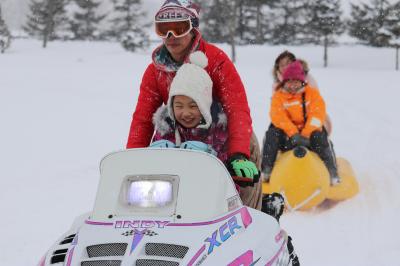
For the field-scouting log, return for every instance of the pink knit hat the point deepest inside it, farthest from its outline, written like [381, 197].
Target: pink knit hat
[294, 71]
[176, 10]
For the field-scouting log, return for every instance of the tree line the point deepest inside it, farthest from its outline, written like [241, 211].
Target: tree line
[236, 22]
[297, 22]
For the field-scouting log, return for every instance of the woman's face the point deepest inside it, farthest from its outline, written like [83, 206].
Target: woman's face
[293, 86]
[283, 63]
[178, 47]
[186, 111]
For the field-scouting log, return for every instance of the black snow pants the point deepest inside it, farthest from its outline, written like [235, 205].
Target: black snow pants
[276, 139]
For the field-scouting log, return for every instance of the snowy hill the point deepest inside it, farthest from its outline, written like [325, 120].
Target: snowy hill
[65, 107]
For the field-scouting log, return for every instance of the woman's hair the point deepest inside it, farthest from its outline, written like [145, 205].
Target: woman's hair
[282, 55]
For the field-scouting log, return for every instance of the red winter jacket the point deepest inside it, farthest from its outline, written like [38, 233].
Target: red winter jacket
[228, 89]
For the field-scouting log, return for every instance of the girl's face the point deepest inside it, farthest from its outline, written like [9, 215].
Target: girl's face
[283, 63]
[186, 111]
[293, 86]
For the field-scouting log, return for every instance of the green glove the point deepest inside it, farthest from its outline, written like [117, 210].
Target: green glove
[240, 166]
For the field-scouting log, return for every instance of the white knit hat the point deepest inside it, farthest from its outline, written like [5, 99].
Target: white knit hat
[193, 81]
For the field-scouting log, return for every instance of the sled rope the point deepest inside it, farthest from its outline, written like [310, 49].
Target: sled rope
[304, 202]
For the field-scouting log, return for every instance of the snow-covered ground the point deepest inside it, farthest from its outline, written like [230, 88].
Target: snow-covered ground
[63, 108]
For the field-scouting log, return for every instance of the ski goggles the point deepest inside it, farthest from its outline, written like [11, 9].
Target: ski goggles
[178, 28]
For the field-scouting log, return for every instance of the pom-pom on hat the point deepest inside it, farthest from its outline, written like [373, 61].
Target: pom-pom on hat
[294, 71]
[193, 81]
[176, 10]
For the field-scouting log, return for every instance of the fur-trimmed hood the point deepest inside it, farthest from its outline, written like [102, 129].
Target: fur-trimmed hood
[164, 123]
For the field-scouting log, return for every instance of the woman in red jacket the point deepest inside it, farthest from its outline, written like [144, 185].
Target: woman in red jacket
[177, 24]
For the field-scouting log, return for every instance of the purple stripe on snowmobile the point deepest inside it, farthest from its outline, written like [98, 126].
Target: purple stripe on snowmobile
[196, 256]
[274, 258]
[70, 254]
[98, 223]
[244, 213]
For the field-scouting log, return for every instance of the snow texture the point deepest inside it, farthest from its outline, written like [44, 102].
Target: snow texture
[63, 108]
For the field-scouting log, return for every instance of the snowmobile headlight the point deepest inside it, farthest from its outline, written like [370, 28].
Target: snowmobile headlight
[150, 193]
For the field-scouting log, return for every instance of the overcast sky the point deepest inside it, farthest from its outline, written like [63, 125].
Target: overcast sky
[14, 11]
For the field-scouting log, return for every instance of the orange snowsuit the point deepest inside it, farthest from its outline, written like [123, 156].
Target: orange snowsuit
[287, 111]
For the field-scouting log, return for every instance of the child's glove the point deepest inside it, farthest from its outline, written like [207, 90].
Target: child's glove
[299, 140]
[198, 146]
[162, 143]
[240, 166]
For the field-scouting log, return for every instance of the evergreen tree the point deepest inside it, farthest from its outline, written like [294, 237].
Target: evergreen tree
[220, 23]
[248, 20]
[5, 35]
[288, 19]
[262, 23]
[253, 24]
[214, 26]
[85, 21]
[128, 26]
[324, 23]
[45, 18]
[368, 22]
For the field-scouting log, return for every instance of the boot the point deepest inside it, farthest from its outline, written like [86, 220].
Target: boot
[333, 174]
[335, 180]
[273, 204]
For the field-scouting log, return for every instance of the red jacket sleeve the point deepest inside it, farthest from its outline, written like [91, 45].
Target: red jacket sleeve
[149, 100]
[231, 93]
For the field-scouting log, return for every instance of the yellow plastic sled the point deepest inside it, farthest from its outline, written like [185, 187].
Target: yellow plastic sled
[302, 178]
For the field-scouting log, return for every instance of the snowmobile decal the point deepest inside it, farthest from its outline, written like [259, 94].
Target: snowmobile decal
[135, 231]
[223, 234]
[140, 224]
[244, 259]
[137, 237]
[246, 220]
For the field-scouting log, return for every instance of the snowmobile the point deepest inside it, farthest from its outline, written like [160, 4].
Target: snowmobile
[153, 208]
[303, 180]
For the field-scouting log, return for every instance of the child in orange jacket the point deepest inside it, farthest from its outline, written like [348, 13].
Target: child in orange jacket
[297, 114]
[281, 62]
